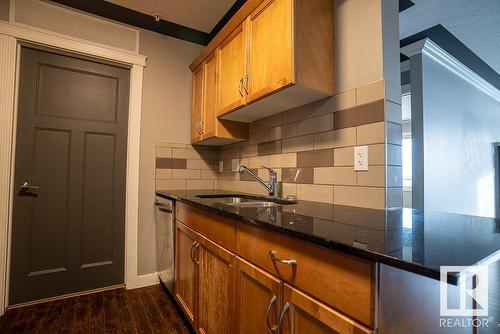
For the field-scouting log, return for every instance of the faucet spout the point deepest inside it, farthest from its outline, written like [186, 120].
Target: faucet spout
[269, 185]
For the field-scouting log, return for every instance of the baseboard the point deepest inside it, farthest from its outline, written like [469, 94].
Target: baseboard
[143, 280]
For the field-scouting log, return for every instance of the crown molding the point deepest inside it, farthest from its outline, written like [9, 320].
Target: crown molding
[430, 49]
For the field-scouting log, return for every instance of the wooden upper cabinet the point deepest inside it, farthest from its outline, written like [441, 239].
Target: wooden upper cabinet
[303, 314]
[210, 96]
[274, 55]
[186, 281]
[232, 71]
[258, 299]
[269, 48]
[197, 104]
[215, 289]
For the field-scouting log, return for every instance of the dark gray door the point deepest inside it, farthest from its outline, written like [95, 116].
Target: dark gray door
[68, 235]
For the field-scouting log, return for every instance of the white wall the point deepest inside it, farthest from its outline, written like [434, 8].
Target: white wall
[166, 115]
[460, 126]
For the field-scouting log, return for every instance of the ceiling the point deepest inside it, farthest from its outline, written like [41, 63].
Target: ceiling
[201, 15]
[476, 23]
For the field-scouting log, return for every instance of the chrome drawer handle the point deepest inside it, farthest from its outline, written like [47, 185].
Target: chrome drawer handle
[274, 257]
[191, 252]
[272, 329]
[240, 86]
[282, 315]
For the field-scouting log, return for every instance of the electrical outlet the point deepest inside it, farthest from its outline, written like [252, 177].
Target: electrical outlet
[235, 165]
[361, 158]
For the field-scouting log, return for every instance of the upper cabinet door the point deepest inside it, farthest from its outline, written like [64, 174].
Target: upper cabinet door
[303, 314]
[258, 299]
[270, 48]
[210, 97]
[232, 71]
[197, 104]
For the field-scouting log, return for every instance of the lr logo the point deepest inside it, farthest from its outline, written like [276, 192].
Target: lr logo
[473, 292]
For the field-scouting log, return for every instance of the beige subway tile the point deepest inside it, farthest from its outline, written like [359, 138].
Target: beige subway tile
[370, 93]
[394, 198]
[298, 175]
[178, 174]
[259, 136]
[283, 160]
[257, 162]
[209, 174]
[393, 112]
[250, 150]
[371, 133]
[394, 134]
[275, 133]
[186, 153]
[341, 101]
[344, 156]
[315, 193]
[373, 177]
[298, 114]
[200, 164]
[335, 175]
[266, 123]
[163, 152]
[229, 153]
[366, 197]
[230, 185]
[394, 176]
[376, 154]
[297, 144]
[337, 138]
[317, 158]
[394, 155]
[255, 188]
[200, 184]
[314, 125]
[288, 189]
[228, 176]
[209, 154]
[170, 184]
[163, 174]
[264, 174]
[289, 130]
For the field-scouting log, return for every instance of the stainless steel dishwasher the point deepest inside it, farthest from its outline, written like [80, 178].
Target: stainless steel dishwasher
[165, 241]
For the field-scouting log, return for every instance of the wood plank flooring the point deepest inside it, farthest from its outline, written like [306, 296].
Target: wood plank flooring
[120, 311]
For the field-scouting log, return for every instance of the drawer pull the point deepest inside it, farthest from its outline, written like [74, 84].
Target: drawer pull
[274, 257]
[194, 246]
[282, 316]
[272, 329]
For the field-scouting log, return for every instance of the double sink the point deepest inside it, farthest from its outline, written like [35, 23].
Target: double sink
[249, 201]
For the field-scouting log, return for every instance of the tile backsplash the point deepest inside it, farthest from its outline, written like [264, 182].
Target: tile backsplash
[311, 148]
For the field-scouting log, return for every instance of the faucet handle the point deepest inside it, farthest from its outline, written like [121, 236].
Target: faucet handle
[271, 171]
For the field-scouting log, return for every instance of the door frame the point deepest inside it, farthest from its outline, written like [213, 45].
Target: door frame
[12, 37]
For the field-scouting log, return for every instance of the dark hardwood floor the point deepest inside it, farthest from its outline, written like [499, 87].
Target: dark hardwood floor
[146, 310]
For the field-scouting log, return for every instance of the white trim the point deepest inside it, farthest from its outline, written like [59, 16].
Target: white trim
[11, 36]
[436, 53]
[144, 280]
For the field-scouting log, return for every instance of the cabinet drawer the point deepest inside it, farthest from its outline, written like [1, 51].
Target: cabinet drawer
[216, 228]
[345, 283]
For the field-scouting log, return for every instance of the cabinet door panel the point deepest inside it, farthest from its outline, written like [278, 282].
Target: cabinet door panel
[197, 104]
[270, 43]
[232, 69]
[257, 292]
[303, 314]
[210, 97]
[215, 289]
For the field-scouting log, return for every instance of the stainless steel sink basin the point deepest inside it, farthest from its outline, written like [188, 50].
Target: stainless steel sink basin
[249, 201]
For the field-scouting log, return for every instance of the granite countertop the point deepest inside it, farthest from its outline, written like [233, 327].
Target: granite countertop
[408, 239]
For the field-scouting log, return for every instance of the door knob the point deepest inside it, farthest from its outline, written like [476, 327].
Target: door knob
[26, 189]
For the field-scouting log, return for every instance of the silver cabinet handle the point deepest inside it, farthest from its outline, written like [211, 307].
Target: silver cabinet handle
[197, 244]
[27, 189]
[191, 252]
[272, 329]
[198, 127]
[240, 87]
[245, 85]
[202, 126]
[274, 257]
[282, 316]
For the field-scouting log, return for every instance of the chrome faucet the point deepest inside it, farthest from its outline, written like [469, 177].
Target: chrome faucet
[269, 185]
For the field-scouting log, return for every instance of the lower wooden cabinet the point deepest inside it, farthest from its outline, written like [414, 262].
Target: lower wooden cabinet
[204, 284]
[258, 299]
[303, 314]
[186, 271]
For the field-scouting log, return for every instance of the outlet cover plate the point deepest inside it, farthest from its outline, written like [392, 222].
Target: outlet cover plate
[361, 158]
[235, 165]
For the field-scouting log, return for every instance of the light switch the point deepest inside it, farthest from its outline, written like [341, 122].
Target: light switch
[235, 165]
[360, 158]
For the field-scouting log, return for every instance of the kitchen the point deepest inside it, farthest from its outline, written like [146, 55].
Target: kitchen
[235, 171]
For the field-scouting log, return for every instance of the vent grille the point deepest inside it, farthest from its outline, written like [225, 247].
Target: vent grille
[72, 23]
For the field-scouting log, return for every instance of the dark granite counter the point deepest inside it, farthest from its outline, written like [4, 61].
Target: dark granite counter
[404, 238]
